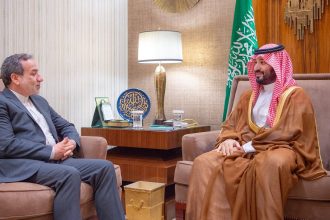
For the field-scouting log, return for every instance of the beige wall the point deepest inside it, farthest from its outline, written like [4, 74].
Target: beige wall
[198, 84]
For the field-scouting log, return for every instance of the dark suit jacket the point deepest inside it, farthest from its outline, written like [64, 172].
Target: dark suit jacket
[23, 146]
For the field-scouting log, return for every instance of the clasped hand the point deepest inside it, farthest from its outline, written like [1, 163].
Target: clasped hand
[228, 147]
[64, 149]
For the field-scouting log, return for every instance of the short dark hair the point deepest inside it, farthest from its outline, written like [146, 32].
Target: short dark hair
[12, 64]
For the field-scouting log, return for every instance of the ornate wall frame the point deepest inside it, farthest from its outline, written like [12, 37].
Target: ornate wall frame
[175, 6]
[301, 15]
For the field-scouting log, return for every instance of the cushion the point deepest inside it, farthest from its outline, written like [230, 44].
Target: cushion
[22, 199]
[312, 190]
[26, 200]
[182, 172]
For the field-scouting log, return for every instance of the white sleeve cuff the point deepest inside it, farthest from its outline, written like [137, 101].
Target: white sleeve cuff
[248, 148]
[52, 155]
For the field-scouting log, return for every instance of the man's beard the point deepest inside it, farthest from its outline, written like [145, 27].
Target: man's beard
[266, 78]
[260, 80]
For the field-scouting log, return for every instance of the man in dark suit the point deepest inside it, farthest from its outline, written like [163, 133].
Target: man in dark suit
[37, 144]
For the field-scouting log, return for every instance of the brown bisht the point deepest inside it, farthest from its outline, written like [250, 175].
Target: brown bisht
[256, 185]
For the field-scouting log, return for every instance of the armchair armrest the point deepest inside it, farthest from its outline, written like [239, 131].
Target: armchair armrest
[196, 144]
[93, 147]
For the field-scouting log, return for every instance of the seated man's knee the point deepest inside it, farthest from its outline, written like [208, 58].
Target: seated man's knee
[71, 173]
[201, 158]
[106, 165]
[207, 159]
[278, 158]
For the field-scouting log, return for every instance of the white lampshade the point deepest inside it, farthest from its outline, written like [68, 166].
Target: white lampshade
[160, 47]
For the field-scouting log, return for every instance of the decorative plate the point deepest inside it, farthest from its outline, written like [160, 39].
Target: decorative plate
[133, 99]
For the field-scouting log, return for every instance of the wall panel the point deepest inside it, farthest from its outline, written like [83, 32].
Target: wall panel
[310, 55]
[80, 45]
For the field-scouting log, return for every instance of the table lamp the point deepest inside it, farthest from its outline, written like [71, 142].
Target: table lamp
[160, 47]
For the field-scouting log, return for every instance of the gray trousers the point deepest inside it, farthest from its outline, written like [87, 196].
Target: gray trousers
[65, 178]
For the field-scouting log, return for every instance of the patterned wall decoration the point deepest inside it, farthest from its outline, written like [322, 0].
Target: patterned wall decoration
[175, 5]
[301, 15]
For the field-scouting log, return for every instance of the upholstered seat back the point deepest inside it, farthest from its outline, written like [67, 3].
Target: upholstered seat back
[318, 88]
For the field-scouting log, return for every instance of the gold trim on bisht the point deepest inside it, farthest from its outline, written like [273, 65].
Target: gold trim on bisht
[255, 128]
[280, 105]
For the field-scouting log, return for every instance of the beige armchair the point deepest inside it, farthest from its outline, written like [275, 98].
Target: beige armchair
[22, 200]
[308, 199]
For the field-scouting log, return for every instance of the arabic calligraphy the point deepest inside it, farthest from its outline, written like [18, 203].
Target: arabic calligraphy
[132, 100]
[242, 48]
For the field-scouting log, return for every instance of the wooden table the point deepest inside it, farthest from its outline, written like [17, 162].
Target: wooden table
[145, 154]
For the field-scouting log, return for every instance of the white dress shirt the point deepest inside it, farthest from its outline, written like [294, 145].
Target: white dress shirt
[260, 109]
[39, 118]
[260, 112]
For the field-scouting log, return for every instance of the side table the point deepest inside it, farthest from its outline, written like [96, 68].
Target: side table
[144, 154]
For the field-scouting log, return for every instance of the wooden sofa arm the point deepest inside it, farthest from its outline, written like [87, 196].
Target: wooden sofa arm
[196, 144]
[93, 147]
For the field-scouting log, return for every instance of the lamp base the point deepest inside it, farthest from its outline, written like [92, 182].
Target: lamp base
[159, 122]
[160, 85]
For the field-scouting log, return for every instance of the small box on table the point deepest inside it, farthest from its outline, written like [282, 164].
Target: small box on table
[144, 201]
